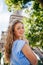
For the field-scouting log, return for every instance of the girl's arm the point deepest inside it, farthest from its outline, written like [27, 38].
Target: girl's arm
[29, 54]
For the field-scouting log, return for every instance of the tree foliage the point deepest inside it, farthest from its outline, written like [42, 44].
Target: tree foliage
[19, 4]
[34, 28]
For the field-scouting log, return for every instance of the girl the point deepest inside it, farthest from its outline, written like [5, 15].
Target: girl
[17, 49]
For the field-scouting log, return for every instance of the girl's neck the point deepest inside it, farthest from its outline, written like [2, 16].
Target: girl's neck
[16, 38]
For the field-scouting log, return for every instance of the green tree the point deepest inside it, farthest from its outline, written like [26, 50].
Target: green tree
[34, 28]
[19, 4]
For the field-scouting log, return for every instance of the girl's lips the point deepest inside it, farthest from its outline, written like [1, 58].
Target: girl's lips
[21, 33]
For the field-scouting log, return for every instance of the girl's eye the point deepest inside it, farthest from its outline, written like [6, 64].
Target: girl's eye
[20, 28]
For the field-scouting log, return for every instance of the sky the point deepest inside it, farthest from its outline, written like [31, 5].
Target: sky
[4, 16]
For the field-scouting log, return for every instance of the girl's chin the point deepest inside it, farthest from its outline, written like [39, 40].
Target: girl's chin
[20, 37]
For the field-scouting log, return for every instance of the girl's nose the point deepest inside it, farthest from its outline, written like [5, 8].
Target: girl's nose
[22, 30]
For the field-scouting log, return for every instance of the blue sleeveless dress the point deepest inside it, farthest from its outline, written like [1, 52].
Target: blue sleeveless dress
[17, 56]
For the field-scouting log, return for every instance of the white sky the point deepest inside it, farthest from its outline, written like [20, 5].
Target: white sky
[4, 16]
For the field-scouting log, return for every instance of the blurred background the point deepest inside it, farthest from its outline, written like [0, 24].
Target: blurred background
[32, 12]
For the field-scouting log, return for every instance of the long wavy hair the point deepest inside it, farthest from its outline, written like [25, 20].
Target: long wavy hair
[9, 40]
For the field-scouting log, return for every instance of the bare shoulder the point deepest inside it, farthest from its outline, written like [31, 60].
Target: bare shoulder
[27, 41]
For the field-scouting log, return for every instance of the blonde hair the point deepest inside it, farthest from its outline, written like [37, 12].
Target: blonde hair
[9, 41]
